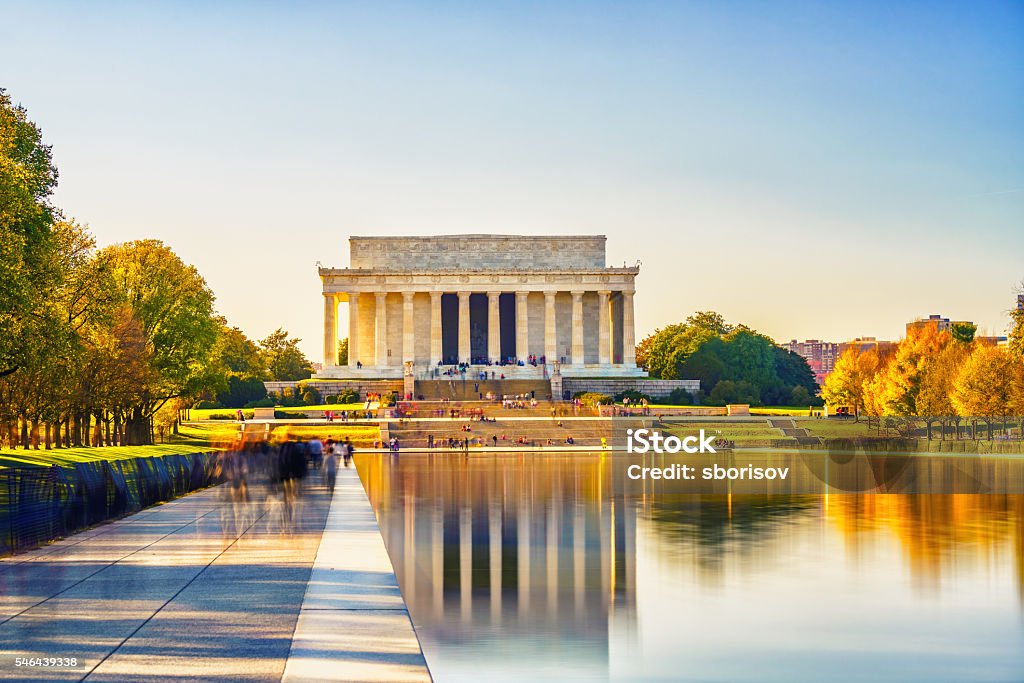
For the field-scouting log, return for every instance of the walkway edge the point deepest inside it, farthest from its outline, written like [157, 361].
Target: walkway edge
[354, 624]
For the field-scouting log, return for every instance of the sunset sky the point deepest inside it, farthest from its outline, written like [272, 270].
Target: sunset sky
[822, 170]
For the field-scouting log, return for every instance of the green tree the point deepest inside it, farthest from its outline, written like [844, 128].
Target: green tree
[283, 358]
[343, 351]
[239, 355]
[963, 332]
[27, 179]
[728, 391]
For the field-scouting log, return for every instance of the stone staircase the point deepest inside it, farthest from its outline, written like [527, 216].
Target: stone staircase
[537, 432]
[789, 428]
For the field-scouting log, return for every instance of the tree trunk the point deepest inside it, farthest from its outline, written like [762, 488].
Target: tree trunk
[137, 427]
[24, 433]
[76, 429]
[97, 430]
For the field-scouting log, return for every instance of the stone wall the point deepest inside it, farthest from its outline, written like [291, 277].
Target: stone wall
[658, 388]
[326, 387]
[478, 252]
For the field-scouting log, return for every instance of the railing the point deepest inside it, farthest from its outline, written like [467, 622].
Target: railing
[39, 504]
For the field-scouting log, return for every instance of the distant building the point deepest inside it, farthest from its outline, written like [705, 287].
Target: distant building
[820, 355]
[937, 321]
[993, 340]
[863, 344]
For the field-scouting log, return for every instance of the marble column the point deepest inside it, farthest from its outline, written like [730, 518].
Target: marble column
[330, 331]
[604, 353]
[435, 329]
[353, 329]
[628, 333]
[493, 326]
[408, 328]
[577, 328]
[464, 350]
[522, 327]
[550, 330]
[381, 334]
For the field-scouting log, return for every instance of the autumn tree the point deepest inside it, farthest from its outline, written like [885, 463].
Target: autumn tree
[173, 308]
[984, 386]
[847, 384]
[1016, 331]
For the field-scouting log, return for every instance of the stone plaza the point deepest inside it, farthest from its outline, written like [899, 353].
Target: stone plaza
[527, 306]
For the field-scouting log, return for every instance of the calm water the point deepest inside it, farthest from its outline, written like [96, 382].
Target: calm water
[528, 567]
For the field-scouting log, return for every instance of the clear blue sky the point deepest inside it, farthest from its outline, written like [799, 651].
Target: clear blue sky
[813, 169]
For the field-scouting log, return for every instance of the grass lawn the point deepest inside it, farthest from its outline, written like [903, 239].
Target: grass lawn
[205, 413]
[361, 435]
[783, 411]
[192, 438]
[70, 456]
[836, 427]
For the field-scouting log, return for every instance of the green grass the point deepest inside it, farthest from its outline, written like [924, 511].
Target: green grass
[783, 411]
[835, 427]
[337, 407]
[67, 457]
[192, 438]
[205, 413]
[361, 435]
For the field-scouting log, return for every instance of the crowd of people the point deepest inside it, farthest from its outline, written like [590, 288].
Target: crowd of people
[270, 476]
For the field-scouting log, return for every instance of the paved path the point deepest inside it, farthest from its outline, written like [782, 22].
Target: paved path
[354, 625]
[197, 589]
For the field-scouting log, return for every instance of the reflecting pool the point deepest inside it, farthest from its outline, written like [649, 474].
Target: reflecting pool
[533, 567]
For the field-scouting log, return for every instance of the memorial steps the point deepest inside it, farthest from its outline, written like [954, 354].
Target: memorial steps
[537, 432]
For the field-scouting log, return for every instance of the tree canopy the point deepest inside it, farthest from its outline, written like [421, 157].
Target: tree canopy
[749, 365]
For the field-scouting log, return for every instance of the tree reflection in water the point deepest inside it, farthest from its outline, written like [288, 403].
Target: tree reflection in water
[533, 564]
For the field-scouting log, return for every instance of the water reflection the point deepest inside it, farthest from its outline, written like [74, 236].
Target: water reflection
[528, 567]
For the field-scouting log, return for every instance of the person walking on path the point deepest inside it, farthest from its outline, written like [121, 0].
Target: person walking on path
[330, 465]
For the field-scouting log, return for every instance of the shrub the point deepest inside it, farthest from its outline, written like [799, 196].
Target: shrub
[222, 416]
[348, 396]
[262, 403]
[311, 397]
[592, 398]
[206, 405]
[728, 391]
[800, 396]
[281, 415]
[680, 397]
[241, 390]
[331, 399]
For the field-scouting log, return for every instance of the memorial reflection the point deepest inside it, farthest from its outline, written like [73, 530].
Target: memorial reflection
[516, 542]
[545, 560]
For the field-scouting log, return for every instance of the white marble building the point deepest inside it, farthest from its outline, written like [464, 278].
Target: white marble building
[481, 299]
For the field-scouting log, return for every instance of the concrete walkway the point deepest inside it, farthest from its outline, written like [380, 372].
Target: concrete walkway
[354, 625]
[197, 589]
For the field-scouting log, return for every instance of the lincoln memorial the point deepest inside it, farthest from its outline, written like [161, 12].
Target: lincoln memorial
[530, 304]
